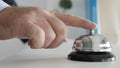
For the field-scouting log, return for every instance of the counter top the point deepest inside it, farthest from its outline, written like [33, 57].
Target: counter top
[55, 58]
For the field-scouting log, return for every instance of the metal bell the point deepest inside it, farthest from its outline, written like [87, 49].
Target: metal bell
[92, 43]
[91, 48]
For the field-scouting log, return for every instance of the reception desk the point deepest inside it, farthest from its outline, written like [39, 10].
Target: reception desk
[55, 58]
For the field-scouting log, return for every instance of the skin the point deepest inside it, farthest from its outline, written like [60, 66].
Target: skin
[43, 28]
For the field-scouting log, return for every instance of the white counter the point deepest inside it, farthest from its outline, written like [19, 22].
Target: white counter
[55, 58]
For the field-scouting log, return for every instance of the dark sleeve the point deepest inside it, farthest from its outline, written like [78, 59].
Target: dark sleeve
[10, 2]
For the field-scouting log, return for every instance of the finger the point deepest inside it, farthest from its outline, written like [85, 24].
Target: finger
[34, 33]
[75, 21]
[60, 30]
[49, 32]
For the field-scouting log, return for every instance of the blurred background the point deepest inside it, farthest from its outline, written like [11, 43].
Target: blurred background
[105, 13]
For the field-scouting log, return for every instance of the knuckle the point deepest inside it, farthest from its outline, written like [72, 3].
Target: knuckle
[40, 32]
[32, 11]
[37, 32]
[52, 35]
[63, 31]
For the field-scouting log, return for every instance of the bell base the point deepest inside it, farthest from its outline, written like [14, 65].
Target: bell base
[91, 56]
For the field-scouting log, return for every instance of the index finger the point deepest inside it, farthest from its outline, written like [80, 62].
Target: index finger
[75, 21]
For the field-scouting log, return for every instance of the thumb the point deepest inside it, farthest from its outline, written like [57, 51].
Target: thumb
[35, 34]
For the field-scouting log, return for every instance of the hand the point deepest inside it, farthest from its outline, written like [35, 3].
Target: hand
[43, 28]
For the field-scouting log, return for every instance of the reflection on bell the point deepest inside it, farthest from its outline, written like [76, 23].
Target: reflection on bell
[92, 48]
